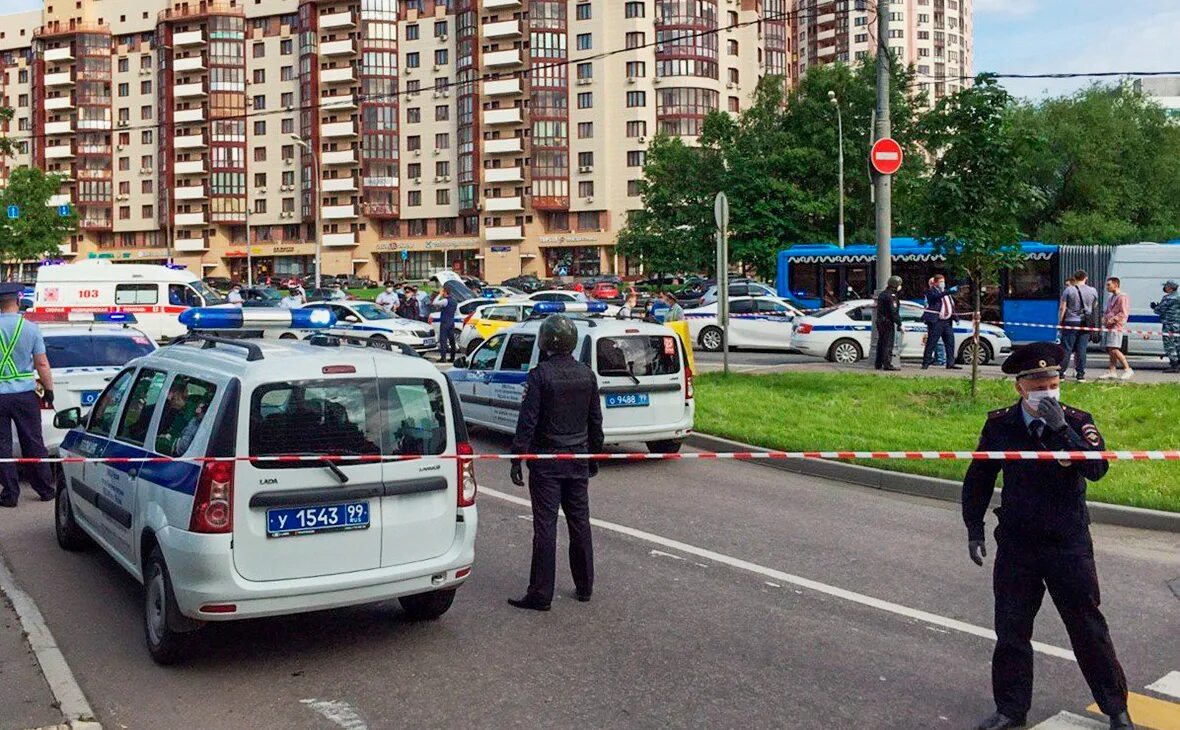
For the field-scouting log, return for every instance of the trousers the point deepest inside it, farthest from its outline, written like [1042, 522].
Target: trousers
[886, 334]
[941, 329]
[1172, 343]
[1075, 343]
[550, 489]
[446, 341]
[1022, 574]
[22, 410]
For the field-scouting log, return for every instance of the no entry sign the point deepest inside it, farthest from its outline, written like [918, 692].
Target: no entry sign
[886, 156]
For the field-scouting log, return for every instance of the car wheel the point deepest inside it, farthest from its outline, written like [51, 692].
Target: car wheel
[69, 535]
[166, 645]
[377, 341]
[288, 336]
[427, 606]
[845, 352]
[967, 352]
[710, 339]
[473, 344]
[670, 446]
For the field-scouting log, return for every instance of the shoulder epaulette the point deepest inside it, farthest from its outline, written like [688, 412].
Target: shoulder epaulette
[998, 412]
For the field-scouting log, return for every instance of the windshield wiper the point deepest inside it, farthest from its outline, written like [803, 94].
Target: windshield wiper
[620, 371]
[336, 470]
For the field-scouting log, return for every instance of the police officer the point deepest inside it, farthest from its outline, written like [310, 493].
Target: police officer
[22, 361]
[561, 413]
[1168, 310]
[1043, 538]
[888, 316]
[448, 301]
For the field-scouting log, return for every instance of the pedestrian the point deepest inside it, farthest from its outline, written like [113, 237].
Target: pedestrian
[888, 323]
[1075, 314]
[1168, 310]
[292, 300]
[560, 413]
[627, 311]
[22, 363]
[423, 303]
[388, 299]
[235, 295]
[940, 322]
[408, 308]
[1043, 538]
[675, 312]
[448, 303]
[1114, 319]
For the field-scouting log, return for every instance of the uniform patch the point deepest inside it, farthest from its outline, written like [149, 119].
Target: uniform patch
[1090, 433]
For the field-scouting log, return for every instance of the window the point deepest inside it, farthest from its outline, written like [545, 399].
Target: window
[440, 29]
[260, 76]
[124, 163]
[589, 220]
[585, 70]
[260, 205]
[146, 212]
[413, 115]
[145, 137]
[260, 127]
[260, 154]
[260, 179]
[124, 212]
[413, 142]
[485, 357]
[633, 9]
[585, 100]
[442, 169]
[413, 60]
[518, 352]
[260, 101]
[731, 47]
[285, 47]
[442, 196]
[287, 126]
[442, 113]
[585, 130]
[124, 89]
[123, 68]
[74, 351]
[734, 78]
[184, 409]
[583, 11]
[636, 69]
[102, 417]
[146, 186]
[131, 294]
[288, 177]
[442, 141]
[412, 32]
[287, 73]
[145, 87]
[585, 159]
[637, 128]
[259, 50]
[585, 40]
[145, 112]
[735, 104]
[141, 405]
[634, 39]
[633, 188]
[636, 98]
[642, 355]
[414, 198]
[440, 57]
[414, 169]
[287, 100]
[636, 158]
[586, 189]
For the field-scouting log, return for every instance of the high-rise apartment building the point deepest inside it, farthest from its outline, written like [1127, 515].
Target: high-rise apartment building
[494, 137]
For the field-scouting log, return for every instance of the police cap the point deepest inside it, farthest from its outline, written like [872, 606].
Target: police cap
[11, 290]
[1171, 284]
[1034, 359]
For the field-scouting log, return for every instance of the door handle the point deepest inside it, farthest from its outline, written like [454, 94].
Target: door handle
[133, 472]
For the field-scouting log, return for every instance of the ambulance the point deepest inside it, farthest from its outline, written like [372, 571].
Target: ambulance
[156, 295]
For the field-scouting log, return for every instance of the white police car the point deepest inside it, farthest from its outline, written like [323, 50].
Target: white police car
[842, 334]
[367, 320]
[305, 512]
[643, 376]
[755, 323]
[572, 297]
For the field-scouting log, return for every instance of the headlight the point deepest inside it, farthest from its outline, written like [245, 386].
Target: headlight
[399, 333]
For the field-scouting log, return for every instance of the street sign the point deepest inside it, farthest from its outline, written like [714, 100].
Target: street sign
[886, 156]
[13, 212]
[64, 210]
[721, 210]
[501, 249]
[405, 254]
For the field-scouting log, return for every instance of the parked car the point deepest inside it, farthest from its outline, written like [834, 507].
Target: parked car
[219, 283]
[328, 294]
[604, 290]
[756, 323]
[260, 296]
[527, 283]
[350, 281]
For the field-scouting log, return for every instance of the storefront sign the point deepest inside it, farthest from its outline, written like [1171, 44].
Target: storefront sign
[568, 240]
[433, 244]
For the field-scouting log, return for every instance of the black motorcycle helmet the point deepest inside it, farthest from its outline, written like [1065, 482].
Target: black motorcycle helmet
[559, 336]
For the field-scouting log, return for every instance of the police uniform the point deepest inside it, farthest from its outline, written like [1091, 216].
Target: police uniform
[20, 342]
[1043, 542]
[561, 413]
[888, 316]
[1168, 309]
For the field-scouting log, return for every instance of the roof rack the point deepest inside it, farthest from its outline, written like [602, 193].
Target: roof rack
[334, 340]
[253, 351]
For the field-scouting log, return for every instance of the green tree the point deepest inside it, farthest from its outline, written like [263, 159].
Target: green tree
[977, 189]
[40, 229]
[7, 144]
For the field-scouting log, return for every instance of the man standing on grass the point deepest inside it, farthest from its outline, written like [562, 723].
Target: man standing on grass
[1168, 310]
[1043, 538]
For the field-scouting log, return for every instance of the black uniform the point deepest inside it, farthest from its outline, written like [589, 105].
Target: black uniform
[888, 317]
[561, 413]
[1043, 542]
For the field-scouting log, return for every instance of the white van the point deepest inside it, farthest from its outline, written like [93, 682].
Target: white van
[156, 295]
[1142, 269]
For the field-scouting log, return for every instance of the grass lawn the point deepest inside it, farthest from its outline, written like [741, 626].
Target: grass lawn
[842, 411]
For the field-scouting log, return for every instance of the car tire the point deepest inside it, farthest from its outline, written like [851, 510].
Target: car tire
[711, 338]
[166, 645]
[70, 536]
[377, 341]
[669, 446]
[472, 345]
[845, 352]
[968, 348]
[288, 336]
[427, 606]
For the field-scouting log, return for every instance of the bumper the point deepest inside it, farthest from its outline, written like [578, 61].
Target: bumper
[658, 432]
[810, 347]
[202, 570]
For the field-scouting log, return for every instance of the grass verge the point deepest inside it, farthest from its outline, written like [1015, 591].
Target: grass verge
[843, 411]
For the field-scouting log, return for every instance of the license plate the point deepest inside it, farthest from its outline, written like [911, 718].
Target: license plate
[90, 396]
[291, 521]
[429, 342]
[627, 400]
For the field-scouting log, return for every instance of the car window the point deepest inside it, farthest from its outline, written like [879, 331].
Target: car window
[337, 416]
[184, 409]
[76, 351]
[137, 294]
[370, 311]
[638, 355]
[181, 295]
[485, 357]
[861, 314]
[742, 306]
[414, 417]
[518, 352]
[911, 313]
[500, 314]
[102, 416]
[765, 305]
[141, 406]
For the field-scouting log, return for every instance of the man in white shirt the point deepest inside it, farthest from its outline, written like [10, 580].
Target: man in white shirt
[235, 295]
[388, 299]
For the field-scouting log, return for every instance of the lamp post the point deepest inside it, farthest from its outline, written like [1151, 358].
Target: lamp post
[840, 133]
[315, 203]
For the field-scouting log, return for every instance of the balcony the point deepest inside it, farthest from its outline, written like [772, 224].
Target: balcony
[184, 65]
[190, 192]
[345, 47]
[337, 20]
[336, 102]
[99, 124]
[189, 142]
[495, 59]
[824, 35]
[339, 129]
[503, 29]
[338, 212]
[53, 55]
[52, 128]
[58, 200]
[190, 167]
[339, 157]
[59, 152]
[187, 220]
[504, 233]
[503, 146]
[502, 116]
[188, 38]
[337, 75]
[188, 91]
[58, 103]
[189, 116]
[338, 240]
[503, 205]
[95, 224]
[191, 245]
[500, 4]
[62, 78]
[502, 87]
[380, 182]
[338, 185]
[502, 175]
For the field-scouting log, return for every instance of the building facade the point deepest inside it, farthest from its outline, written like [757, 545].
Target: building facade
[493, 137]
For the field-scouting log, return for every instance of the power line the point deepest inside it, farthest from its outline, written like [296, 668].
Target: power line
[1061, 75]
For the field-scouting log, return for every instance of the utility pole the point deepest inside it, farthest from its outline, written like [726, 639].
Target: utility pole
[883, 185]
[840, 136]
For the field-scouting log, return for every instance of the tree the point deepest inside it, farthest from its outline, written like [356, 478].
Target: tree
[40, 229]
[977, 188]
[7, 144]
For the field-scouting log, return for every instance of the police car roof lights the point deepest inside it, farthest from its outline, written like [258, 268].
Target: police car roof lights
[232, 318]
[547, 308]
[124, 318]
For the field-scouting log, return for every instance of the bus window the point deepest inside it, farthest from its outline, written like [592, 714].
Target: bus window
[803, 279]
[1032, 279]
[856, 283]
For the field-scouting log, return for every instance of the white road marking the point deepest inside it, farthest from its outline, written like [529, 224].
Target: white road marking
[662, 554]
[814, 585]
[772, 584]
[338, 712]
[1070, 721]
[1169, 685]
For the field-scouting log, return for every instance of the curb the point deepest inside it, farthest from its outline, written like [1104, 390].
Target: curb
[929, 487]
[70, 698]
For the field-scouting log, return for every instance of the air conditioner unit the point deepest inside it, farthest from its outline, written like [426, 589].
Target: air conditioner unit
[442, 38]
[642, 140]
[630, 79]
[446, 178]
[729, 85]
[417, 181]
[446, 92]
[119, 148]
[261, 191]
[289, 161]
[585, 82]
[436, 153]
[434, 68]
[145, 171]
[417, 153]
[122, 122]
[585, 168]
[437, 94]
[438, 179]
[589, 200]
[409, 70]
[657, 80]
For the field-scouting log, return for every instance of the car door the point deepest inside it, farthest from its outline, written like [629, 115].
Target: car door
[743, 328]
[773, 324]
[474, 383]
[913, 331]
[507, 381]
[118, 497]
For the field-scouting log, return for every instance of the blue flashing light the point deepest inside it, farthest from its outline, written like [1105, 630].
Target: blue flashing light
[231, 318]
[116, 318]
[569, 307]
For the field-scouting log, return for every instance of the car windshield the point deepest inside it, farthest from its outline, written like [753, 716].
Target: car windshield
[827, 310]
[371, 311]
[211, 297]
[458, 290]
[638, 355]
[266, 294]
[80, 351]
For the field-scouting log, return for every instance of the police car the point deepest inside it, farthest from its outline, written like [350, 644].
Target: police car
[84, 351]
[571, 297]
[489, 319]
[365, 319]
[756, 323]
[303, 513]
[842, 334]
[642, 368]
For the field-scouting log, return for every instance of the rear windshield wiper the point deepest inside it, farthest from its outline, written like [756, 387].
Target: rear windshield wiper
[336, 470]
[620, 371]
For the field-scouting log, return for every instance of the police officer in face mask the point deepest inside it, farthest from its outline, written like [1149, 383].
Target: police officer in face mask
[1043, 538]
[561, 413]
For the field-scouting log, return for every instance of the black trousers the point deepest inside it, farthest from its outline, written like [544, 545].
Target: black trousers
[886, 334]
[551, 486]
[1022, 573]
[942, 329]
[446, 342]
[22, 410]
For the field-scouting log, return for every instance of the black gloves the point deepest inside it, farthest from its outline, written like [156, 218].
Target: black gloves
[47, 398]
[593, 468]
[517, 473]
[1049, 411]
[977, 550]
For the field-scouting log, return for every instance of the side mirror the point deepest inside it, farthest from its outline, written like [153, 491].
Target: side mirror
[460, 362]
[67, 419]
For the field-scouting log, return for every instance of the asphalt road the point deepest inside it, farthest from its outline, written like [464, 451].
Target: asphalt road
[727, 595]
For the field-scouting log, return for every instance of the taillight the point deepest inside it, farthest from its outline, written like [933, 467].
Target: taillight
[803, 329]
[468, 318]
[213, 510]
[687, 381]
[466, 475]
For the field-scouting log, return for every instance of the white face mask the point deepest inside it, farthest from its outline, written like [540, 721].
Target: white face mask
[389, 290]
[942, 286]
[1034, 397]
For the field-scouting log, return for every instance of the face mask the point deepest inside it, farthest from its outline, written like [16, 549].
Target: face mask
[942, 286]
[1034, 397]
[389, 290]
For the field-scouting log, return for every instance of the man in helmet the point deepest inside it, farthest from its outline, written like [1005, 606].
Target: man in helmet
[561, 413]
[888, 322]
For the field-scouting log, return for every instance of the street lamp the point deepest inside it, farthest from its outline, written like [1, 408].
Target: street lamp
[840, 133]
[315, 209]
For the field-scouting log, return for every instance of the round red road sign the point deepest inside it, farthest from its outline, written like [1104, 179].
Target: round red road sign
[886, 156]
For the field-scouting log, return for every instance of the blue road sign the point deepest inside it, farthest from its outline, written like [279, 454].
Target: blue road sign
[405, 255]
[13, 212]
[64, 210]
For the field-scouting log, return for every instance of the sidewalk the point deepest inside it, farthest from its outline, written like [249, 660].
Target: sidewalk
[25, 699]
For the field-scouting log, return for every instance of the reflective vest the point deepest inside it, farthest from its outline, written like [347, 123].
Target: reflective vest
[8, 369]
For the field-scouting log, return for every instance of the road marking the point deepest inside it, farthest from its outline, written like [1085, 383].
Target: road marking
[1149, 713]
[1169, 685]
[780, 576]
[70, 698]
[1070, 721]
[662, 554]
[339, 712]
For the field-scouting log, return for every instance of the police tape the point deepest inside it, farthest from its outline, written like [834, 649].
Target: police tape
[1119, 455]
